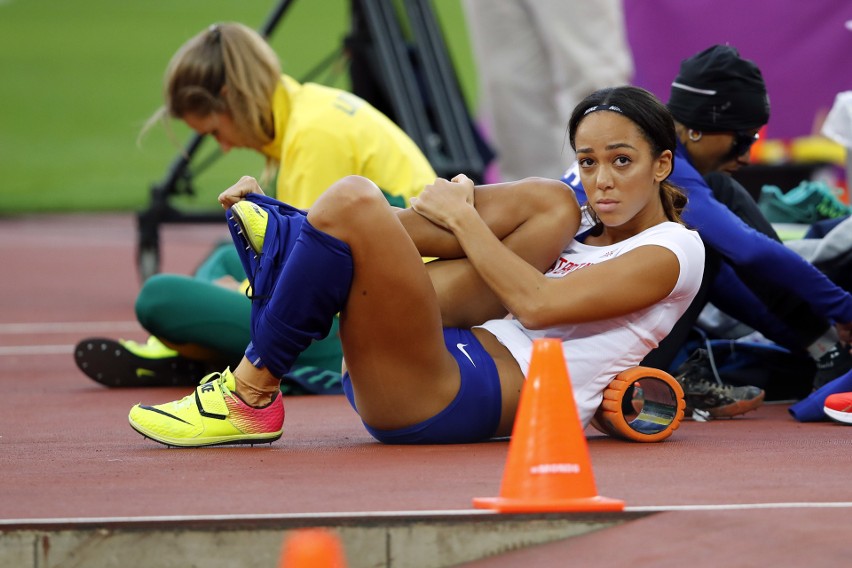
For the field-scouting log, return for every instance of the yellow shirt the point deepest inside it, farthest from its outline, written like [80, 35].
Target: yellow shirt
[323, 134]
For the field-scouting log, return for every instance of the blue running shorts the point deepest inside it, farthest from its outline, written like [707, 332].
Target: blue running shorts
[473, 416]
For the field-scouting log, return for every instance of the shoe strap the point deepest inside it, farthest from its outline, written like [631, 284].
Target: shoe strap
[210, 398]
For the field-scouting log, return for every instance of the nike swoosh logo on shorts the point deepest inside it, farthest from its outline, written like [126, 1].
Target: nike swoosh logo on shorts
[461, 347]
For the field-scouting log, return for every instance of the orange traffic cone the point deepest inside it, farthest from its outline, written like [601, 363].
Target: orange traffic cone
[312, 548]
[548, 467]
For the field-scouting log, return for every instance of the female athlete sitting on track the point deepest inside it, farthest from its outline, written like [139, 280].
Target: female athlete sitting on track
[226, 83]
[417, 371]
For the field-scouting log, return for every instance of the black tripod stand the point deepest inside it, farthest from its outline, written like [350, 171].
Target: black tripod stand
[409, 79]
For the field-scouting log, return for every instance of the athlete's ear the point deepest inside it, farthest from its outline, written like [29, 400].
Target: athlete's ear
[663, 166]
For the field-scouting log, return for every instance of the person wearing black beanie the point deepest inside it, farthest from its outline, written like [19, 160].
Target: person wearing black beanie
[719, 102]
[717, 90]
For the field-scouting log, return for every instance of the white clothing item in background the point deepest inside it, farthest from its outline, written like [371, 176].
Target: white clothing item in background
[838, 122]
[536, 60]
[836, 242]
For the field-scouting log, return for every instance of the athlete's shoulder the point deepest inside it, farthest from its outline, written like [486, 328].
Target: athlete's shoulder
[671, 232]
[678, 230]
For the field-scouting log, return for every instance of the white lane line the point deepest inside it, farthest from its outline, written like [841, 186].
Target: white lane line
[81, 328]
[741, 507]
[68, 327]
[36, 350]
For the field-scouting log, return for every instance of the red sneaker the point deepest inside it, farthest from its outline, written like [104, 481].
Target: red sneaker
[839, 407]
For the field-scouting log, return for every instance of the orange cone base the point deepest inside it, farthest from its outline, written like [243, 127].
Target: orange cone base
[581, 505]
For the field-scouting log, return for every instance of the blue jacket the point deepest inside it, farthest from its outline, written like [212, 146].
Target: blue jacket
[746, 250]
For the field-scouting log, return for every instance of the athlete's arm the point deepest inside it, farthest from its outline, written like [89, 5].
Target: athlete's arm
[592, 293]
[748, 249]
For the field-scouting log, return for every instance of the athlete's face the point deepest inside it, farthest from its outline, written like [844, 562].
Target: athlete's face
[219, 125]
[619, 173]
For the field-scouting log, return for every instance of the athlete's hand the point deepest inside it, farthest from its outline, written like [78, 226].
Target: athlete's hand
[238, 191]
[442, 201]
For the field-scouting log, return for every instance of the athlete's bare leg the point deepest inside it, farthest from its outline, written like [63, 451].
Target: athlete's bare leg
[534, 217]
[392, 324]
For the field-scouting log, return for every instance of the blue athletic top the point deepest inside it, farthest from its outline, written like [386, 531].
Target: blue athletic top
[747, 251]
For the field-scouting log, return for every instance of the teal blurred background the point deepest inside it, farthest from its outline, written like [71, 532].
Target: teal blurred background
[79, 78]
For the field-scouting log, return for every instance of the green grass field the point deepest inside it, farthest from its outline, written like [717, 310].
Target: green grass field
[80, 77]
